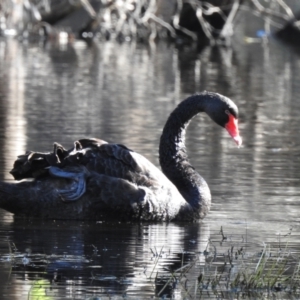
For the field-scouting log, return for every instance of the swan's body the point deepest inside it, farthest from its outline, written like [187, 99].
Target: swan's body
[97, 180]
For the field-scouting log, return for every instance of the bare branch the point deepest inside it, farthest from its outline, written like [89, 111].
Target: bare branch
[227, 28]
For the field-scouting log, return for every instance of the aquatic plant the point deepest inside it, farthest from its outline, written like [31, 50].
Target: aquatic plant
[274, 271]
[227, 267]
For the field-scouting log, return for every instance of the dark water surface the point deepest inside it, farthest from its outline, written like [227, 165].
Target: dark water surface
[124, 93]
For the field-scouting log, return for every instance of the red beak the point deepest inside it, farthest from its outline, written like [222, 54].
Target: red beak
[233, 130]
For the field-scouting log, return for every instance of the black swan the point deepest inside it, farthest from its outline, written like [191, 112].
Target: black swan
[98, 180]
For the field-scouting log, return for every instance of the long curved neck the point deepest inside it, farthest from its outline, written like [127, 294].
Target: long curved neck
[173, 156]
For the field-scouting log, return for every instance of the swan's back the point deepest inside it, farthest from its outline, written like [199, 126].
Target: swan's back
[116, 162]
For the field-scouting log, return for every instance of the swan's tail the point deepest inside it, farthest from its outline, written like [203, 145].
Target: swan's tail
[41, 199]
[12, 197]
[31, 198]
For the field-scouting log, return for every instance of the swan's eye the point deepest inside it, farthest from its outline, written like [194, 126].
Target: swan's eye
[231, 113]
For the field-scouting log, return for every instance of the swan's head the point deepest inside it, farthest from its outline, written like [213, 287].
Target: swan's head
[225, 113]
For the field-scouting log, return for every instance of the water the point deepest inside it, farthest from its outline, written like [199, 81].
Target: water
[123, 93]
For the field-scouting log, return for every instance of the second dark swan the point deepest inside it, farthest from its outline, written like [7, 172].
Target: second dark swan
[99, 180]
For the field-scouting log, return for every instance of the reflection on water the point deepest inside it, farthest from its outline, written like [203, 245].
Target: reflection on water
[124, 93]
[82, 258]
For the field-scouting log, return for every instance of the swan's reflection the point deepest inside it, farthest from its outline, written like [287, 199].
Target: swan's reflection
[103, 258]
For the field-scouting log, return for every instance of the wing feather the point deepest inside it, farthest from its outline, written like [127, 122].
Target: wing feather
[116, 160]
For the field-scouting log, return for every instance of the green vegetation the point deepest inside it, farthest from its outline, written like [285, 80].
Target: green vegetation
[274, 273]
